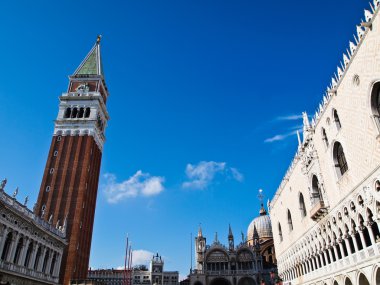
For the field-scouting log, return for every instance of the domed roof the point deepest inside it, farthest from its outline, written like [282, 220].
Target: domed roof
[262, 224]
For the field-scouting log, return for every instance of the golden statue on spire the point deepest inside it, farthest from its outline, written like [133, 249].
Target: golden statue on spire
[98, 39]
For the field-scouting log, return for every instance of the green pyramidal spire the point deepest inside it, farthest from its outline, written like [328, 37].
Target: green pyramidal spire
[92, 64]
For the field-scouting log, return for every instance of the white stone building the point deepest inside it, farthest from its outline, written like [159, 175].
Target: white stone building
[326, 213]
[30, 248]
[154, 276]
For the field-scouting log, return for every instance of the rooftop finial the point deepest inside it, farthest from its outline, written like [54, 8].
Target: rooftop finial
[261, 195]
[98, 39]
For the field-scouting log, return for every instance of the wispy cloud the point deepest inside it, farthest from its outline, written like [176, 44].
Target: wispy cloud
[202, 174]
[280, 137]
[291, 117]
[140, 184]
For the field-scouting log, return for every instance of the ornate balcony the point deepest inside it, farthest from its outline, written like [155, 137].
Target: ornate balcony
[318, 211]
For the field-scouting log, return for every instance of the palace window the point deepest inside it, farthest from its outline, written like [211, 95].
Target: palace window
[302, 205]
[280, 231]
[340, 161]
[290, 222]
[337, 120]
[324, 137]
[375, 104]
[316, 193]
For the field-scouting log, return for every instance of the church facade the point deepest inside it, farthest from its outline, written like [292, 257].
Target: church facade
[217, 264]
[331, 234]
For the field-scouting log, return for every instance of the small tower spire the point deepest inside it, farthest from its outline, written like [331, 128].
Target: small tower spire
[230, 239]
[200, 234]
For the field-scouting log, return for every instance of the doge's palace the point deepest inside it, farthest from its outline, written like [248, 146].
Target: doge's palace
[326, 212]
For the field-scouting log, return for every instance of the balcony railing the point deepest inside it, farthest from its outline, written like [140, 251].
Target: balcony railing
[318, 211]
[28, 273]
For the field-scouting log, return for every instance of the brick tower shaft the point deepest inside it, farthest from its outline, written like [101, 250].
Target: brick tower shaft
[68, 192]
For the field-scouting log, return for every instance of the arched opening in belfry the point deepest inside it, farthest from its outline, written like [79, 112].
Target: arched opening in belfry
[81, 112]
[67, 113]
[74, 113]
[220, 281]
[363, 280]
[7, 246]
[87, 113]
[246, 281]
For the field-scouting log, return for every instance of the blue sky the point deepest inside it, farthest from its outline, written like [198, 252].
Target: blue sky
[205, 97]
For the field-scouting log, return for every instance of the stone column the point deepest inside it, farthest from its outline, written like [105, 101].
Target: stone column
[12, 247]
[326, 259]
[336, 252]
[341, 248]
[3, 237]
[48, 266]
[57, 265]
[312, 263]
[355, 242]
[42, 258]
[362, 238]
[372, 237]
[330, 255]
[348, 246]
[25, 245]
[33, 257]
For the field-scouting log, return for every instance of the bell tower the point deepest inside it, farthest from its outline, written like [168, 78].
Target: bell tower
[69, 187]
[200, 248]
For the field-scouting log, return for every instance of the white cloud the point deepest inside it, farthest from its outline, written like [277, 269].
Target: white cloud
[141, 257]
[201, 175]
[280, 137]
[140, 184]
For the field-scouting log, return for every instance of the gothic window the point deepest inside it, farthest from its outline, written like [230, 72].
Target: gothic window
[67, 113]
[302, 205]
[87, 112]
[59, 138]
[375, 104]
[74, 113]
[324, 137]
[47, 188]
[340, 161]
[51, 170]
[316, 194]
[290, 222]
[56, 153]
[336, 120]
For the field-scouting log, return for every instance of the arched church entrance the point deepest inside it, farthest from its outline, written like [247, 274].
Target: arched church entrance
[220, 281]
[246, 281]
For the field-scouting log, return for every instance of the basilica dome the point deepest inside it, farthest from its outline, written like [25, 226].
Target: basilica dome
[262, 224]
